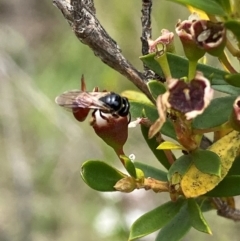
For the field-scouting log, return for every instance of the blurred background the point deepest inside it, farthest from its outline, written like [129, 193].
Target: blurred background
[42, 147]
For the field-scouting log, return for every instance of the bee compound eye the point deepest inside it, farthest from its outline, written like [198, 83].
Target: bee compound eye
[124, 111]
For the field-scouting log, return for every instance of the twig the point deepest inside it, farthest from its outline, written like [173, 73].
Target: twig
[224, 210]
[90, 5]
[146, 35]
[146, 25]
[205, 142]
[90, 32]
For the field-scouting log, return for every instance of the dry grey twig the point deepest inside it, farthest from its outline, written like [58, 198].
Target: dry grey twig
[81, 16]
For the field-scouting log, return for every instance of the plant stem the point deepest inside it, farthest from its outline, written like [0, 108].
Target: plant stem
[161, 58]
[225, 62]
[191, 70]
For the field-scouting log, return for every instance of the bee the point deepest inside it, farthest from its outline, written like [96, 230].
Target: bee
[81, 102]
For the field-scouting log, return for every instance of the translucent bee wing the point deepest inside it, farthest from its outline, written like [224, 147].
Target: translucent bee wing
[68, 99]
[80, 99]
[91, 100]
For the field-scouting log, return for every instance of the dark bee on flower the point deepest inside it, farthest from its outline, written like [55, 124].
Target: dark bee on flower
[81, 102]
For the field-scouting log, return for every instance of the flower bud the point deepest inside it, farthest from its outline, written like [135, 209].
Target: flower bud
[80, 114]
[112, 129]
[166, 38]
[191, 49]
[126, 184]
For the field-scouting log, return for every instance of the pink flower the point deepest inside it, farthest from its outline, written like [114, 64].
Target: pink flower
[234, 119]
[200, 36]
[209, 36]
[188, 98]
[183, 30]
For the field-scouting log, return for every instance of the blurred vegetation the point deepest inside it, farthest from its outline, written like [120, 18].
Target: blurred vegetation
[42, 146]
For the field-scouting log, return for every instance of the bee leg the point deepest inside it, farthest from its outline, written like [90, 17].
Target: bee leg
[115, 115]
[93, 119]
[102, 116]
[129, 117]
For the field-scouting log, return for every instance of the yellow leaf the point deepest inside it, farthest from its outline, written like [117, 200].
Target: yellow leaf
[195, 183]
[136, 96]
[201, 14]
[168, 145]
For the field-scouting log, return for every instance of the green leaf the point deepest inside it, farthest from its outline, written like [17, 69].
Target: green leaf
[136, 109]
[216, 114]
[156, 88]
[128, 164]
[235, 168]
[234, 26]
[196, 217]
[180, 166]
[153, 144]
[150, 171]
[154, 220]
[207, 162]
[100, 176]
[228, 89]
[138, 103]
[177, 227]
[225, 4]
[151, 113]
[168, 130]
[233, 79]
[228, 187]
[209, 6]
[205, 203]
[179, 68]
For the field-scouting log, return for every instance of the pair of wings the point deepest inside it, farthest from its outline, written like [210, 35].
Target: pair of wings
[81, 99]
